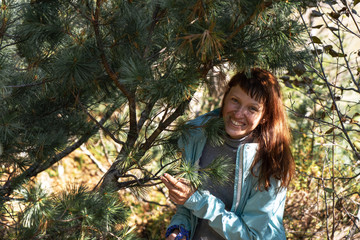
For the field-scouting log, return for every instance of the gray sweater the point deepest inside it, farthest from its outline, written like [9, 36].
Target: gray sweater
[224, 192]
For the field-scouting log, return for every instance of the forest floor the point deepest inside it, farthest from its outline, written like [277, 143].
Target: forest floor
[151, 212]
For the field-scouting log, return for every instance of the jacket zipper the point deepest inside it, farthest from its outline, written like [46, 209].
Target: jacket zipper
[239, 177]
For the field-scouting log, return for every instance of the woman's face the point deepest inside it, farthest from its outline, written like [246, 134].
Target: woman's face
[241, 113]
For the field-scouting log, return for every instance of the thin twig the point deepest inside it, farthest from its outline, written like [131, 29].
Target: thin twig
[329, 179]
[30, 84]
[178, 112]
[145, 115]
[92, 157]
[101, 126]
[332, 96]
[156, 203]
[325, 197]
[355, 226]
[104, 147]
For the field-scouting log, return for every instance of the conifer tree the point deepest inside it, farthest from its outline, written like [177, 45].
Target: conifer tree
[67, 66]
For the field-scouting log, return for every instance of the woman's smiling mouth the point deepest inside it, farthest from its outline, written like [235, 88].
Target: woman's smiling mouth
[236, 123]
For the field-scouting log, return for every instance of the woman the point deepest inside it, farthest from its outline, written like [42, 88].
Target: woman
[257, 139]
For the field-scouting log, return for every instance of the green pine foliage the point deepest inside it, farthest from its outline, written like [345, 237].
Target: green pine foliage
[215, 131]
[76, 213]
[69, 69]
[218, 171]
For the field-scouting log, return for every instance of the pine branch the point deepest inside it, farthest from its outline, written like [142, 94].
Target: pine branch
[3, 27]
[109, 71]
[133, 133]
[9, 44]
[142, 182]
[157, 16]
[36, 168]
[163, 125]
[145, 115]
[111, 177]
[261, 7]
[113, 174]
[164, 166]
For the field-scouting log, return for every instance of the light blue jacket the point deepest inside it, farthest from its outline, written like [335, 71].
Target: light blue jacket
[254, 214]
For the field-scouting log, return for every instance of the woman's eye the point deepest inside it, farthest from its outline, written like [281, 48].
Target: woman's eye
[234, 100]
[254, 109]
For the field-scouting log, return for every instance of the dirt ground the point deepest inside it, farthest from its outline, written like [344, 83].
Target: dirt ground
[74, 169]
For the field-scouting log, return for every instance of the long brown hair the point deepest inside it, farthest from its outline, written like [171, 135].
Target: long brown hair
[272, 134]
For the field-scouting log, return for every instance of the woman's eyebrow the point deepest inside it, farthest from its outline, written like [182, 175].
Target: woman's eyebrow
[259, 105]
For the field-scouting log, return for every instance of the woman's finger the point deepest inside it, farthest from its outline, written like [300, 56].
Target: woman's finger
[168, 184]
[184, 181]
[176, 198]
[172, 198]
[179, 189]
[171, 179]
[180, 197]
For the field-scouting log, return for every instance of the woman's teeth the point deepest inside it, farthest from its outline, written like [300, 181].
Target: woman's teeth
[236, 123]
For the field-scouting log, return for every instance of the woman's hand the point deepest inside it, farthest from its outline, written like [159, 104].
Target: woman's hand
[173, 235]
[179, 189]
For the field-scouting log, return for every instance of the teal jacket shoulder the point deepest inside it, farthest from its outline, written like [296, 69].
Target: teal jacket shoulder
[255, 214]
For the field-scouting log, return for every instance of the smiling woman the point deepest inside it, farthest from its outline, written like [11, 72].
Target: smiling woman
[257, 141]
[241, 113]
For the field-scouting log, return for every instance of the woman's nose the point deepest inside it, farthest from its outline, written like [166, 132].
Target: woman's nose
[239, 112]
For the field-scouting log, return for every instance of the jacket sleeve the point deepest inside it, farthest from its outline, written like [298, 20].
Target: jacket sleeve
[191, 144]
[183, 217]
[261, 217]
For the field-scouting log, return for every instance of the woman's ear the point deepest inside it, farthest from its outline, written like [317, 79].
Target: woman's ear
[263, 121]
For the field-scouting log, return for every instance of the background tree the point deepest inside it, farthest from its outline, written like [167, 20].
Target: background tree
[324, 102]
[71, 70]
